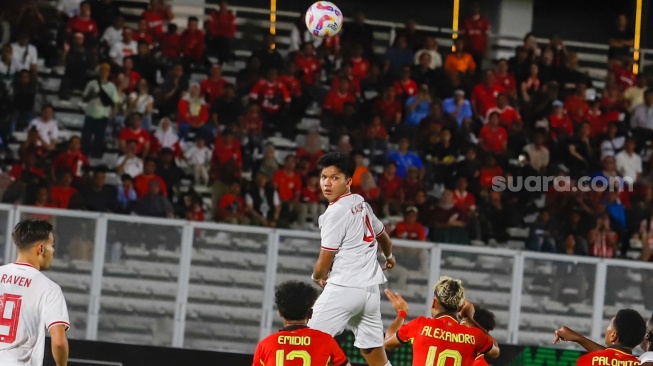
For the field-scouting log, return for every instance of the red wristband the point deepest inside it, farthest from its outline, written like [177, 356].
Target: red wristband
[402, 314]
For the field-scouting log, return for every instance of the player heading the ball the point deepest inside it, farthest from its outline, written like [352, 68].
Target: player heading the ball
[443, 336]
[30, 302]
[296, 341]
[348, 267]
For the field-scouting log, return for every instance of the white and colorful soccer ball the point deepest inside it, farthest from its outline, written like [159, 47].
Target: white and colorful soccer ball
[324, 19]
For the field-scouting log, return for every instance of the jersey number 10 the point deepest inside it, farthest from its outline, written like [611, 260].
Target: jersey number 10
[303, 355]
[9, 316]
[442, 357]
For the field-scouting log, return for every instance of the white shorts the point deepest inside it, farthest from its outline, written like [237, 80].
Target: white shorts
[358, 307]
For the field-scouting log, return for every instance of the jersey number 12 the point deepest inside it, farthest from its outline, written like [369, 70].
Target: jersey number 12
[303, 355]
[9, 316]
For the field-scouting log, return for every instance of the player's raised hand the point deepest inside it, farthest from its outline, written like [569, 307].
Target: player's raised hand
[398, 302]
[467, 310]
[565, 334]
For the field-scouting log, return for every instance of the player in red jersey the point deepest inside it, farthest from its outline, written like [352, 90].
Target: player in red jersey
[442, 339]
[625, 331]
[297, 344]
[484, 318]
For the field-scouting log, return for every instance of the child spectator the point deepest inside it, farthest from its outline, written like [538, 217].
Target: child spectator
[126, 193]
[130, 163]
[62, 192]
[310, 201]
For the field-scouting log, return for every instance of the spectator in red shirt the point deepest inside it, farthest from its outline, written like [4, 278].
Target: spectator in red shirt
[61, 193]
[72, 160]
[532, 84]
[212, 87]
[221, 29]
[270, 93]
[132, 76]
[464, 200]
[227, 154]
[192, 41]
[505, 79]
[154, 18]
[336, 99]
[26, 170]
[290, 78]
[308, 64]
[507, 114]
[576, 105]
[405, 87]
[560, 124]
[143, 33]
[252, 124]
[390, 185]
[232, 208]
[170, 42]
[493, 137]
[388, 107]
[489, 171]
[133, 131]
[310, 200]
[484, 95]
[409, 228]
[83, 23]
[346, 72]
[287, 181]
[142, 182]
[360, 65]
[43, 200]
[476, 30]
[192, 114]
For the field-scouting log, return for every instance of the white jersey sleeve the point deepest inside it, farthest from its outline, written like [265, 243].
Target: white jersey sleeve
[377, 225]
[333, 226]
[56, 311]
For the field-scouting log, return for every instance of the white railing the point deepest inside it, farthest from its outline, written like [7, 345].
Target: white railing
[211, 286]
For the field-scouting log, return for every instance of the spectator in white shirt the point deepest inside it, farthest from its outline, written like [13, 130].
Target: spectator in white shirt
[538, 153]
[8, 66]
[430, 47]
[113, 34]
[166, 136]
[140, 101]
[130, 163]
[199, 157]
[25, 55]
[69, 8]
[641, 121]
[47, 127]
[634, 95]
[629, 163]
[612, 144]
[124, 48]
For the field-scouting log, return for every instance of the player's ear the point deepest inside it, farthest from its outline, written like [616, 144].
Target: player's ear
[434, 304]
[41, 249]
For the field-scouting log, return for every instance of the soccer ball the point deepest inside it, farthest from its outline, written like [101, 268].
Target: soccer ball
[324, 19]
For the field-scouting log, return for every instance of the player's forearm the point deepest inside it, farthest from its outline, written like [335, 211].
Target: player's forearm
[60, 352]
[385, 243]
[392, 331]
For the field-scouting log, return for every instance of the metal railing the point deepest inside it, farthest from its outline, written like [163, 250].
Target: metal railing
[211, 286]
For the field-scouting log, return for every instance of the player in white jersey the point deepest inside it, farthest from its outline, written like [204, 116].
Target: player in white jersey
[347, 267]
[30, 302]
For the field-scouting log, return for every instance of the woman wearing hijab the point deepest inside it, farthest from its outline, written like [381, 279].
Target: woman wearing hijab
[192, 114]
[165, 137]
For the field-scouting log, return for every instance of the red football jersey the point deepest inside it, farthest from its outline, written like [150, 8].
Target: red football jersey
[297, 346]
[443, 341]
[609, 356]
[480, 361]
[270, 95]
[141, 137]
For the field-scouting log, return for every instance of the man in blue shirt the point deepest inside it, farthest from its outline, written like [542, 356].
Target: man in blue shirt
[406, 159]
[458, 107]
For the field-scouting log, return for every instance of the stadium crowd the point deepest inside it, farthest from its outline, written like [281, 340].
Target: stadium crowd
[442, 125]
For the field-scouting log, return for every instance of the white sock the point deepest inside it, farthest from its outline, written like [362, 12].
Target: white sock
[388, 364]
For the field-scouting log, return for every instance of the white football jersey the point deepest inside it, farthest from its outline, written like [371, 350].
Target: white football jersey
[30, 304]
[349, 227]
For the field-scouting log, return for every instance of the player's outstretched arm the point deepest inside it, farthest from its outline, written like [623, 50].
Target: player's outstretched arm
[467, 314]
[59, 344]
[569, 335]
[401, 306]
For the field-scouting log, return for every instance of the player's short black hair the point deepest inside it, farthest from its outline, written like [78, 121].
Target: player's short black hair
[485, 318]
[29, 232]
[630, 327]
[295, 300]
[343, 162]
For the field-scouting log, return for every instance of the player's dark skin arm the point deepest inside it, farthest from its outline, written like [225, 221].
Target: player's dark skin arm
[569, 335]
[59, 344]
[467, 314]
